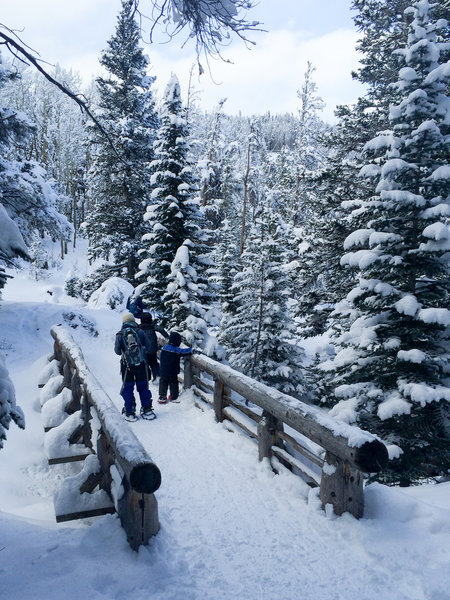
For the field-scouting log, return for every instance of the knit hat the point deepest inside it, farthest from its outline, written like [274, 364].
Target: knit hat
[174, 338]
[127, 317]
[146, 318]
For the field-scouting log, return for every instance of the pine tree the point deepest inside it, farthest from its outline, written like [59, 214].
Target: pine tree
[173, 217]
[383, 29]
[253, 180]
[184, 302]
[322, 281]
[226, 261]
[209, 167]
[258, 333]
[392, 373]
[119, 177]
[307, 151]
[305, 208]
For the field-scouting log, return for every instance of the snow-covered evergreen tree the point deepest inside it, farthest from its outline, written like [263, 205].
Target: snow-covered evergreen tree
[301, 204]
[173, 216]
[258, 333]
[321, 280]
[252, 174]
[308, 154]
[9, 411]
[392, 371]
[26, 195]
[120, 174]
[209, 167]
[58, 138]
[231, 184]
[226, 262]
[184, 303]
[383, 29]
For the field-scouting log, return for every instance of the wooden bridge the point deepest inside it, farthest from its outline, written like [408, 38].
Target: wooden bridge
[118, 475]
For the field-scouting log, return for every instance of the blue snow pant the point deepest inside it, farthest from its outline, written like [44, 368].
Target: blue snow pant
[135, 375]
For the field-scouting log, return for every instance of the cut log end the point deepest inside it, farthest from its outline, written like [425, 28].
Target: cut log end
[145, 478]
[372, 457]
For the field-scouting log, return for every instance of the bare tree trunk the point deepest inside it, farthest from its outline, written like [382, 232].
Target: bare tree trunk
[260, 318]
[130, 267]
[244, 204]
[74, 220]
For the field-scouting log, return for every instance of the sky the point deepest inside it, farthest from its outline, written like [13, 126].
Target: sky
[260, 78]
[230, 528]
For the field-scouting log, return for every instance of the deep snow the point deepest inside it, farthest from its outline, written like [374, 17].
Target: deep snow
[230, 528]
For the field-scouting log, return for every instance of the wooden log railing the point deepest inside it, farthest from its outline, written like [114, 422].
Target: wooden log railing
[346, 451]
[82, 423]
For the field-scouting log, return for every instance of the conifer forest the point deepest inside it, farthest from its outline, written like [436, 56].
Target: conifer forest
[252, 235]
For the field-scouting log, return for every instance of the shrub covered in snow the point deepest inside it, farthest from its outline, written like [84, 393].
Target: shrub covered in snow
[113, 293]
[9, 411]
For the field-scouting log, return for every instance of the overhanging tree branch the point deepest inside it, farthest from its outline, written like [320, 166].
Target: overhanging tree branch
[210, 22]
[20, 52]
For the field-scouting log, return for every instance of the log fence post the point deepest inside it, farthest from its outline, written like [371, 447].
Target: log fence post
[219, 400]
[86, 413]
[267, 434]
[188, 375]
[67, 375]
[342, 486]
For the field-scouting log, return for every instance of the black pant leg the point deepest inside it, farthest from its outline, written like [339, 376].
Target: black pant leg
[126, 372]
[173, 383]
[141, 372]
[153, 364]
[163, 385]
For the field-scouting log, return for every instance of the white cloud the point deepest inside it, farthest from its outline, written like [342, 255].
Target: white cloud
[267, 77]
[61, 31]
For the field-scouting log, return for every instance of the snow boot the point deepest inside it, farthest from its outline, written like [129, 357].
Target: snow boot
[162, 400]
[148, 413]
[129, 416]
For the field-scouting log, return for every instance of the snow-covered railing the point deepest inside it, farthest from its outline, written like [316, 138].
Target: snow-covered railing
[82, 423]
[348, 451]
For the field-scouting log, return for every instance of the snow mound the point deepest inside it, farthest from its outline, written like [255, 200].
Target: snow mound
[113, 294]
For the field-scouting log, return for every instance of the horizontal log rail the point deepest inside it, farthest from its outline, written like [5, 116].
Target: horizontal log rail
[90, 428]
[348, 450]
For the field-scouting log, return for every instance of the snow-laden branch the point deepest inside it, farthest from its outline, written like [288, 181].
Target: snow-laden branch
[20, 51]
[212, 23]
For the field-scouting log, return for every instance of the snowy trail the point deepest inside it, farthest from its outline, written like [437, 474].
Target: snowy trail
[230, 528]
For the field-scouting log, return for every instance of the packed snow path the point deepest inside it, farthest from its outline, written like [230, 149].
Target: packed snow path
[230, 528]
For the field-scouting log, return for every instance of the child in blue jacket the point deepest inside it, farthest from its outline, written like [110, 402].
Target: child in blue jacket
[169, 367]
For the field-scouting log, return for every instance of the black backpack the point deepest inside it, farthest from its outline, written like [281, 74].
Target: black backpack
[133, 349]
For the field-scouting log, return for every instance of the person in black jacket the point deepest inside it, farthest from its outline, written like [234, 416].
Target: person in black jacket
[169, 359]
[134, 371]
[135, 305]
[150, 327]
